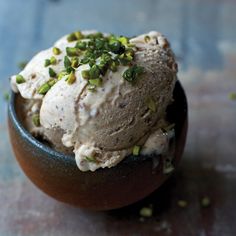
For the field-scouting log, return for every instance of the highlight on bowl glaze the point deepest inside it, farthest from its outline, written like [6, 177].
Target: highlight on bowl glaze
[58, 175]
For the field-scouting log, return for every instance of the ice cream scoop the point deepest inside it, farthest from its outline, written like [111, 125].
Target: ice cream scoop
[101, 95]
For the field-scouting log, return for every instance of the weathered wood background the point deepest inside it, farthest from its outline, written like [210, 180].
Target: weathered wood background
[203, 37]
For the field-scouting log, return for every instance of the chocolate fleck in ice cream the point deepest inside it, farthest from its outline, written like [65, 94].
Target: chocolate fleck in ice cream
[100, 96]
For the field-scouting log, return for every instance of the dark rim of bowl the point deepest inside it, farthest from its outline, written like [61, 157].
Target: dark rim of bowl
[45, 148]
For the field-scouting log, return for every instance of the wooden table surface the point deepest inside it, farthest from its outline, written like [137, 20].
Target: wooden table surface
[203, 37]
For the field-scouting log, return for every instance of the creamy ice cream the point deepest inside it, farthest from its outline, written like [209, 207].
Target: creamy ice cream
[102, 96]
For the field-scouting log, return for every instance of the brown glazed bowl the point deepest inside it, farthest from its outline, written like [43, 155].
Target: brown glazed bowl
[57, 174]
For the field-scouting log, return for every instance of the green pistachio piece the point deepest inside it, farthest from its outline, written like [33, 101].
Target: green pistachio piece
[43, 89]
[96, 82]
[182, 203]
[56, 51]
[78, 35]
[232, 96]
[51, 72]
[20, 79]
[95, 35]
[75, 62]
[99, 43]
[113, 66]
[71, 78]
[146, 212]
[117, 47]
[71, 37]
[6, 96]
[36, 120]
[53, 60]
[85, 74]
[123, 40]
[51, 82]
[47, 62]
[81, 45]
[69, 70]
[71, 52]
[62, 74]
[147, 38]
[91, 87]
[133, 73]
[205, 202]
[67, 62]
[90, 159]
[168, 167]
[151, 104]
[94, 72]
[136, 150]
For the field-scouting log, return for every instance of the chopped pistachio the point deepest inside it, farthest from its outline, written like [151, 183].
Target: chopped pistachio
[71, 78]
[123, 40]
[78, 35]
[94, 72]
[151, 104]
[71, 37]
[129, 54]
[147, 38]
[117, 47]
[43, 89]
[51, 82]
[92, 62]
[128, 75]
[81, 45]
[113, 66]
[126, 58]
[22, 64]
[91, 87]
[36, 120]
[232, 96]
[133, 73]
[136, 150]
[205, 202]
[53, 60]
[85, 74]
[99, 44]
[47, 62]
[182, 203]
[75, 62]
[90, 159]
[96, 82]
[168, 167]
[85, 60]
[20, 79]
[56, 51]
[62, 74]
[51, 72]
[106, 58]
[91, 44]
[146, 212]
[95, 35]
[6, 96]
[67, 62]
[69, 70]
[71, 52]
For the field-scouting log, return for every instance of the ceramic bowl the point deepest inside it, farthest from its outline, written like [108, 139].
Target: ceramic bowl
[57, 175]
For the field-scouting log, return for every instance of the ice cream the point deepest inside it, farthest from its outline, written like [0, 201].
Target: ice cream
[102, 96]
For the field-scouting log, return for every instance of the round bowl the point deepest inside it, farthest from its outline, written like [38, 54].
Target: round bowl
[57, 174]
